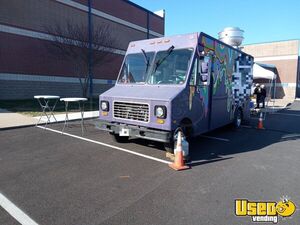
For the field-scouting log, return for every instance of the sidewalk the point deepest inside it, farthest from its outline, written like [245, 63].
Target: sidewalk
[272, 106]
[277, 104]
[13, 120]
[72, 116]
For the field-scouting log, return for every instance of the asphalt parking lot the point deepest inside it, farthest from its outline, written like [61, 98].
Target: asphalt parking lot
[65, 179]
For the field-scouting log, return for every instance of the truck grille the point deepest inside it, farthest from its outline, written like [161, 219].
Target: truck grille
[131, 111]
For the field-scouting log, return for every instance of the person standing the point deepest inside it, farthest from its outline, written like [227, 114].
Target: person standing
[263, 95]
[257, 92]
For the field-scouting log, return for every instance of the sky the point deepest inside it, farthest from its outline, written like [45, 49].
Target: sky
[262, 20]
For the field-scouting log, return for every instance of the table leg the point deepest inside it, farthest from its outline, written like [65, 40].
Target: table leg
[48, 108]
[44, 107]
[41, 114]
[67, 117]
[52, 109]
[81, 108]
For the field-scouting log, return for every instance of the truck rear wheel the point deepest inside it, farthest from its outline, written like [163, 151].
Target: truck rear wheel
[238, 118]
[118, 138]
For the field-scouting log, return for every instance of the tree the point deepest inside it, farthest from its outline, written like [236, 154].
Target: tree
[71, 42]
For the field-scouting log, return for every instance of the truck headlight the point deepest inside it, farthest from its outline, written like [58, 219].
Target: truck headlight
[160, 111]
[105, 106]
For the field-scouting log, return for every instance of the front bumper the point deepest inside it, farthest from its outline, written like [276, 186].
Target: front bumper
[137, 131]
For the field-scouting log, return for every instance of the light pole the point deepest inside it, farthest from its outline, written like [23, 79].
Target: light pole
[90, 52]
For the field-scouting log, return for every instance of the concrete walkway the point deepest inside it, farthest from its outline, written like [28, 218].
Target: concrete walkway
[274, 105]
[72, 116]
[12, 120]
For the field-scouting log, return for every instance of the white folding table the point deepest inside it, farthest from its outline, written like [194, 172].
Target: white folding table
[47, 108]
[80, 102]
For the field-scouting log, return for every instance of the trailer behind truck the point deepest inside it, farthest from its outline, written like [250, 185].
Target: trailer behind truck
[193, 82]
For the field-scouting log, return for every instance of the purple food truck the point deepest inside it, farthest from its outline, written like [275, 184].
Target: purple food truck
[193, 82]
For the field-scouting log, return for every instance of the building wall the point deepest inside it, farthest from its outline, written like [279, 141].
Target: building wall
[298, 80]
[24, 37]
[284, 55]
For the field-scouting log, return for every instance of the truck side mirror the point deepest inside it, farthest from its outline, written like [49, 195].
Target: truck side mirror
[203, 69]
[203, 77]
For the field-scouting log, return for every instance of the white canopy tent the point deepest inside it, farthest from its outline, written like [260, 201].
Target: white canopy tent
[259, 72]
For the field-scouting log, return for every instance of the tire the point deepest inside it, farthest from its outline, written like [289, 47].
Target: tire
[238, 118]
[187, 131]
[119, 139]
[169, 147]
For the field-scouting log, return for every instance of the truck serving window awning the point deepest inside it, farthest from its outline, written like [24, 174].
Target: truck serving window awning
[261, 73]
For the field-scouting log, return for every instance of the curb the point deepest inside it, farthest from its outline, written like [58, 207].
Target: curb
[16, 127]
[33, 125]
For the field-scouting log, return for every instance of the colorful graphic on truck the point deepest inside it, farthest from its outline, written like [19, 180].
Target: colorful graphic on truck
[230, 68]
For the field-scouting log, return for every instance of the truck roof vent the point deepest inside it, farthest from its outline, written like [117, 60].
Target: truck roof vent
[233, 36]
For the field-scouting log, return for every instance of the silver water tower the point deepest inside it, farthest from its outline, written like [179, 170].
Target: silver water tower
[232, 36]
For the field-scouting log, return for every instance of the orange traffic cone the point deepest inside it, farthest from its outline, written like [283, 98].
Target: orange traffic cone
[179, 162]
[260, 122]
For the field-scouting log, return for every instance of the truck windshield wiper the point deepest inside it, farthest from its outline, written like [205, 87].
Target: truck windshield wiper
[146, 59]
[160, 61]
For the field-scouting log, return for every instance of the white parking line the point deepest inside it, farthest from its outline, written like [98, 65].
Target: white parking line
[107, 145]
[15, 212]
[290, 136]
[215, 138]
[286, 114]
[246, 126]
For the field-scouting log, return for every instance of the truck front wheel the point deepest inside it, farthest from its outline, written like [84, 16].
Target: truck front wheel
[169, 147]
[187, 131]
[170, 150]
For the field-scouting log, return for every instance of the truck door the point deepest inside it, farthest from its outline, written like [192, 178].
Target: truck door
[200, 93]
[221, 95]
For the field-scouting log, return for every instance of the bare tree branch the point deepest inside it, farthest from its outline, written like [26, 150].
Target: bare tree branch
[71, 42]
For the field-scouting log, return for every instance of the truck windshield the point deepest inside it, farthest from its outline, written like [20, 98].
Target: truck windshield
[170, 67]
[135, 67]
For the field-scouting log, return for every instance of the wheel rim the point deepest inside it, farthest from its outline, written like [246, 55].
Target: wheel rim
[239, 119]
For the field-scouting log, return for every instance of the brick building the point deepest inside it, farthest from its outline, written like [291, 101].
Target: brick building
[27, 69]
[284, 55]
